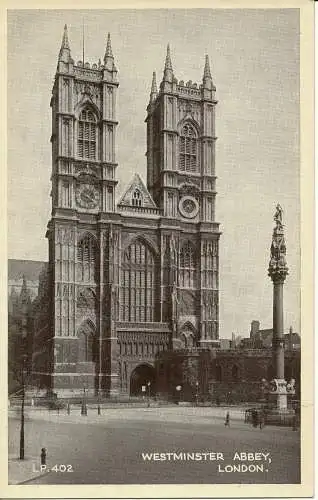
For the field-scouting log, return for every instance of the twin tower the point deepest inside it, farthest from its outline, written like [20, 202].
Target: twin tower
[130, 279]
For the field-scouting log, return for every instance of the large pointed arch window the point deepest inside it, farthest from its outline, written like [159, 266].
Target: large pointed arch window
[188, 149]
[138, 283]
[86, 140]
[187, 266]
[86, 259]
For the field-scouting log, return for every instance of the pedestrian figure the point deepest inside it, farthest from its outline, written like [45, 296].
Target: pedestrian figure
[227, 419]
[254, 418]
[68, 408]
[98, 409]
[43, 456]
[262, 419]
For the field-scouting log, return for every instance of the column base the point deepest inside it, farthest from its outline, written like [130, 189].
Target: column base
[282, 402]
[278, 401]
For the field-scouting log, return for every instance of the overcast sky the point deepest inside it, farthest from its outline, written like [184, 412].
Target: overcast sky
[254, 56]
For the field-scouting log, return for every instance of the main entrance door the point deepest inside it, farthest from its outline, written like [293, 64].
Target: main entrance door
[140, 377]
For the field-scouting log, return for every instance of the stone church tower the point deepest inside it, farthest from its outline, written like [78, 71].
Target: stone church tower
[133, 279]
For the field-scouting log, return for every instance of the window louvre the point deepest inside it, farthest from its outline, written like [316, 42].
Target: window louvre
[86, 259]
[86, 144]
[188, 149]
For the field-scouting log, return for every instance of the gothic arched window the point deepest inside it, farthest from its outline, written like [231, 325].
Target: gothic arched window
[86, 140]
[87, 347]
[188, 149]
[138, 283]
[86, 259]
[187, 266]
[136, 200]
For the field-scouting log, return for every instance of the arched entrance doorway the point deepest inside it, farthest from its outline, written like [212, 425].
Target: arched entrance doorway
[141, 376]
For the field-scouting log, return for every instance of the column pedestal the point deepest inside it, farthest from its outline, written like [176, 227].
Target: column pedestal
[279, 400]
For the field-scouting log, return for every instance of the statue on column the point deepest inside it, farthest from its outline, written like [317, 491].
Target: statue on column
[278, 271]
[278, 217]
[277, 265]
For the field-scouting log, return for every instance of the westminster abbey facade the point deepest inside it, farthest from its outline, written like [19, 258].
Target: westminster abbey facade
[132, 278]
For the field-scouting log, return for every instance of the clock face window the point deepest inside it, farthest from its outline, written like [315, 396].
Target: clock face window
[87, 196]
[188, 207]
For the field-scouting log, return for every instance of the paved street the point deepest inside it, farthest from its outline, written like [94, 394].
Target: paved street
[108, 449]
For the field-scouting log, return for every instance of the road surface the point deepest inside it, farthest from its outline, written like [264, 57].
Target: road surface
[158, 446]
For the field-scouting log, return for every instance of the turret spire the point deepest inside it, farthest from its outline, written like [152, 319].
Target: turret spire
[108, 57]
[154, 90]
[65, 52]
[207, 78]
[24, 294]
[108, 52]
[168, 64]
[65, 44]
[207, 71]
[168, 71]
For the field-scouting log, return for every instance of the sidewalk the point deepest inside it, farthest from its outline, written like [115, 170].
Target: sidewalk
[179, 414]
[20, 471]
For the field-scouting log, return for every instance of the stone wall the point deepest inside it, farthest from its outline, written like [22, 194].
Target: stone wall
[220, 376]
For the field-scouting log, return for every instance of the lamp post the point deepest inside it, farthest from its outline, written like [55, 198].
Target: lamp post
[22, 409]
[264, 391]
[84, 407]
[197, 393]
[178, 389]
[149, 385]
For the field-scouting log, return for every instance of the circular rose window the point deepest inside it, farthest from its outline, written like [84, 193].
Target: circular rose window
[188, 207]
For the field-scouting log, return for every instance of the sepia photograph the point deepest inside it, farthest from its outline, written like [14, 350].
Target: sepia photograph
[154, 244]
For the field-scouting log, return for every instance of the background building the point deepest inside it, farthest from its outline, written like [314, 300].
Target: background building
[23, 300]
[262, 338]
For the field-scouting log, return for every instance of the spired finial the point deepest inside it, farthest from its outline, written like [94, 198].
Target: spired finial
[65, 44]
[24, 295]
[168, 71]
[168, 64]
[24, 282]
[109, 64]
[65, 53]
[207, 78]
[108, 52]
[207, 71]
[154, 90]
